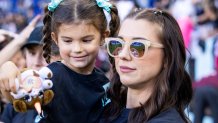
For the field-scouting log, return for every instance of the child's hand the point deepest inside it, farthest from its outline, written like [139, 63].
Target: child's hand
[8, 73]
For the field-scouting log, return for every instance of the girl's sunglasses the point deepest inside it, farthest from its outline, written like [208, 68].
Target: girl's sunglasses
[137, 48]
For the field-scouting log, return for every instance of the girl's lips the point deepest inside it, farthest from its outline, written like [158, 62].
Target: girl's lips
[79, 58]
[126, 69]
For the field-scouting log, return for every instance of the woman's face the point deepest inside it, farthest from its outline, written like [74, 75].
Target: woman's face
[143, 71]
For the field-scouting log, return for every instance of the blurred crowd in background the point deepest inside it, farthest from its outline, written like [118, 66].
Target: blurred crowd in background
[198, 20]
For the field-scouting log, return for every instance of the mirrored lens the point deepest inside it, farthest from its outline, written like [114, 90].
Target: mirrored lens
[137, 49]
[114, 47]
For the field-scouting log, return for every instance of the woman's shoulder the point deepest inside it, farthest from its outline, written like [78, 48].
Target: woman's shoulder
[170, 115]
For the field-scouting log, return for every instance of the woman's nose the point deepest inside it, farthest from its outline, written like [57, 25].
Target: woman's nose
[124, 53]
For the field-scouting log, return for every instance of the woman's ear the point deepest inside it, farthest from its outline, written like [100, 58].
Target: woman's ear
[53, 36]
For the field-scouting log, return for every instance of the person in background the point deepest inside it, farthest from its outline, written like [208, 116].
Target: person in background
[19, 40]
[205, 98]
[5, 38]
[32, 50]
[11, 44]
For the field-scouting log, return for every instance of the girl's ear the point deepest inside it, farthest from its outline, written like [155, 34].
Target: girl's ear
[105, 35]
[53, 36]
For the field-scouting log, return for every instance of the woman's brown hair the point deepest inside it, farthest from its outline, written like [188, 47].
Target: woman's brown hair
[173, 86]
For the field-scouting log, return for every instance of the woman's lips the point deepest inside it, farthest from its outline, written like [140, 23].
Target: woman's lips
[126, 69]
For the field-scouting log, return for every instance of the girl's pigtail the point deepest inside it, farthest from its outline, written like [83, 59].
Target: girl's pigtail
[115, 22]
[47, 40]
[114, 27]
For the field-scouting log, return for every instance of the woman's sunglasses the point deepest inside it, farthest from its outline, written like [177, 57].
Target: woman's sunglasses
[137, 48]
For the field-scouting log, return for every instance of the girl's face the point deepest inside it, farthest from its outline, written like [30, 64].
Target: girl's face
[78, 45]
[139, 72]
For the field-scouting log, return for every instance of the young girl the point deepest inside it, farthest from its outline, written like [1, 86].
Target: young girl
[78, 27]
[150, 84]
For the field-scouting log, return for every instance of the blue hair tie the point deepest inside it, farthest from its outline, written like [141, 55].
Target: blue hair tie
[53, 5]
[104, 4]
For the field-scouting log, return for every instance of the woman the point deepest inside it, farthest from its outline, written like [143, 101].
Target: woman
[149, 83]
